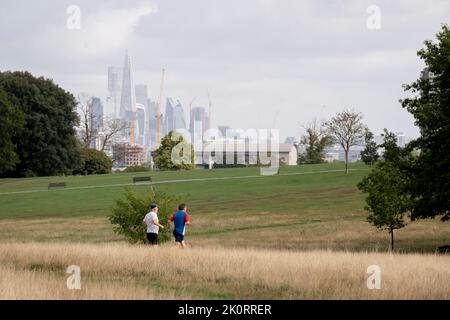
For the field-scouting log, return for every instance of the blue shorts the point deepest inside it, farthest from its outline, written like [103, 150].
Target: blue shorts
[178, 237]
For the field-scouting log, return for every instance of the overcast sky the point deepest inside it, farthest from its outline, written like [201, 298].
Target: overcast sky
[266, 63]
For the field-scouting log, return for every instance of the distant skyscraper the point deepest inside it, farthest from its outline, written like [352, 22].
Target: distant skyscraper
[141, 94]
[169, 115]
[151, 120]
[96, 110]
[128, 98]
[178, 117]
[114, 92]
[96, 120]
[199, 123]
[401, 139]
[223, 130]
[140, 122]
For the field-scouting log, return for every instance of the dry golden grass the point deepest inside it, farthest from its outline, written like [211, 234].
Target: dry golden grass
[120, 271]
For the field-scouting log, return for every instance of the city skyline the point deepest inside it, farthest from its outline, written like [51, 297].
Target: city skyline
[277, 68]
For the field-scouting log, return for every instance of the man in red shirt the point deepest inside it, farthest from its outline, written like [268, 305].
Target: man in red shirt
[180, 219]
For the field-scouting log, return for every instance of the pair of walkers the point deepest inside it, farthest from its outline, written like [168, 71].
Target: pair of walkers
[180, 219]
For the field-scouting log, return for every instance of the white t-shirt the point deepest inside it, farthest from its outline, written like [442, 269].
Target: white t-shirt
[149, 218]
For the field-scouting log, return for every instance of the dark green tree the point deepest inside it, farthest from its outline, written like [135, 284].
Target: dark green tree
[315, 140]
[93, 162]
[46, 145]
[175, 153]
[370, 153]
[11, 122]
[388, 200]
[430, 106]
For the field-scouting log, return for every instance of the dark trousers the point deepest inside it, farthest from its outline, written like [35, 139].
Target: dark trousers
[152, 238]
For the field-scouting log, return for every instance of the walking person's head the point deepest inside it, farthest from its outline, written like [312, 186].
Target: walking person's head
[182, 207]
[154, 207]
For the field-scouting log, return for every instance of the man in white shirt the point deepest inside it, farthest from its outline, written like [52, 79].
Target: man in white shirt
[153, 225]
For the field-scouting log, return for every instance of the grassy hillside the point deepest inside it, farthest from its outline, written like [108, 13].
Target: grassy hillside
[305, 207]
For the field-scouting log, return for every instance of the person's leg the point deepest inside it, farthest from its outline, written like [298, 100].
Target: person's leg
[155, 239]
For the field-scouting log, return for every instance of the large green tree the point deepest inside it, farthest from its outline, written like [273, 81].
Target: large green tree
[11, 121]
[430, 106]
[46, 145]
[175, 153]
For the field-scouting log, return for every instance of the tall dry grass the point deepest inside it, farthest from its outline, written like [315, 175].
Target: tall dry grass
[120, 271]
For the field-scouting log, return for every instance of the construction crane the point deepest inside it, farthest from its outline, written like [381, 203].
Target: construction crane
[132, 125]
[158, 110]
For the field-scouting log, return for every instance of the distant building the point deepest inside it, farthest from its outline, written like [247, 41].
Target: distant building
[179, 121]
[223, 130]
[114, 90]
[141, 94]
[141, 127]
[337, 153]
[291, 140]
[401, 139]
[96, 120]
[126, 155]
[152, 122]
[222, 152]
[199, 123]
[426, 74]
[128, 98]
[174, 116]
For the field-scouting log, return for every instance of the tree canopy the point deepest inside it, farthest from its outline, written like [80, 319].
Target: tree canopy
[175, 153]
[429, 172]
[46, 144]
[11, 120]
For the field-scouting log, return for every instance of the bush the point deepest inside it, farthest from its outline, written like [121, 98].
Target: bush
[93, 162]
[128, 213]
[137, 169]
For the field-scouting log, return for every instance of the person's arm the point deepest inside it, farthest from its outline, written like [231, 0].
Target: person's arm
[186, 219]
[156, 223]
[169, 221]
[144, 222]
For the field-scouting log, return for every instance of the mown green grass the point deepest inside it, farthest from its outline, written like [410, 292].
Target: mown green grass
[305, 207]
[253, 193]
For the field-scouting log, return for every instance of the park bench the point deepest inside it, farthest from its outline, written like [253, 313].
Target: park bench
[56, 185]
[142, 180]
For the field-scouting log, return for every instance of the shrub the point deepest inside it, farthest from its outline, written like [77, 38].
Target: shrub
[128, 213]
[93, 162]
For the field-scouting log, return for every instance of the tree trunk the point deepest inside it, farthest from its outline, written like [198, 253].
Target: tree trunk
[392, 239]
[346, 161]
